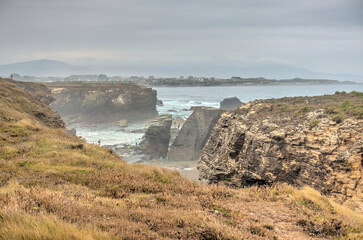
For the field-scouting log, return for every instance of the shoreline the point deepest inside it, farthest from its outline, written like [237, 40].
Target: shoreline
[187, 169]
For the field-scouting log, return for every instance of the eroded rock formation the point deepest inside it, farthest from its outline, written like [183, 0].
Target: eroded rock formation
[230, 103]
[194, 134]
[155, 142]
[103, 102]
[316, 141]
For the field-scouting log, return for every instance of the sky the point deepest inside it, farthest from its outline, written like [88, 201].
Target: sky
[324, 35]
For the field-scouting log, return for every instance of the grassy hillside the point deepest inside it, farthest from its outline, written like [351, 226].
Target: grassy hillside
[56, 186]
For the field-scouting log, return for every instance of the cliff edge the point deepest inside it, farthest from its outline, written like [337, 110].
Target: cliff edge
[56, 186]
[103, 102]
[20, 99]
[314, 141]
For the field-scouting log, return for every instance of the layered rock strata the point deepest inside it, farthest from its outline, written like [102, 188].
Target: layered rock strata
[315, 141]
[194, 134]
[155, 142]
[103, 102]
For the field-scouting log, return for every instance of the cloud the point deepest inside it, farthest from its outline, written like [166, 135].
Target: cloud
[324, 35]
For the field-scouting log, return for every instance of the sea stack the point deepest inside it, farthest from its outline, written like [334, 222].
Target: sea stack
[230, 104]
[194, 134]
[155, 142]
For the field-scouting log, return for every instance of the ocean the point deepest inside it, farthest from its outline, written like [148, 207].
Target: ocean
[178, 100]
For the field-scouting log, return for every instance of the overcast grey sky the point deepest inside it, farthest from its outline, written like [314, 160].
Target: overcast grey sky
[320, 35]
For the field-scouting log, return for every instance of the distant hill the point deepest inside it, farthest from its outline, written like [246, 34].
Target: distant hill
[265, 71]
[46, 68]
[43, 67]
[289, 72]
[221, 71]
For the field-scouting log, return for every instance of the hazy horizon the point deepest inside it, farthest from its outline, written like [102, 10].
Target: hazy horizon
[185, 37]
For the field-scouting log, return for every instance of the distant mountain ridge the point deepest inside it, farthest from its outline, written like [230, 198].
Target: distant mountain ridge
[47, 67]
[42, 67]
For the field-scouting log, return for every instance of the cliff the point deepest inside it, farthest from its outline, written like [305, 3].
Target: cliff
[155, 142]
[194, 134]
[314, 141]
[56, 186]
[31, 99]
[39, 91]
[103, 102]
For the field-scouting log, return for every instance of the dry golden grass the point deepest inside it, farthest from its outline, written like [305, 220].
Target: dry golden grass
[55, 186]
[21, 225]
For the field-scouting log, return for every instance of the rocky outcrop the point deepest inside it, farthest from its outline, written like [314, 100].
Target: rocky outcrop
[103, 102]
[71, 131]
[159, 103]
[230, 103]
[294, 140]
[31, 98]
[194, 134]
[39, 91]
[155, 142]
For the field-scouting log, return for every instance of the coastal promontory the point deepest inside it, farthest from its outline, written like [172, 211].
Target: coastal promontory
[103, 102]
[314, 141]
[57, 186]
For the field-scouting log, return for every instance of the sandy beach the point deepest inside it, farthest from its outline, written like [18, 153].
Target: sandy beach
[188, 169]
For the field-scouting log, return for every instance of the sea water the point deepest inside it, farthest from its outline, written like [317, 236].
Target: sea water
[178, 100]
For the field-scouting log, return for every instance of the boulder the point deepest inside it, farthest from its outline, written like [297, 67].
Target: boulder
[194, 134]
[159, 103]
[270, 141]
[155, 142]
[230, 104]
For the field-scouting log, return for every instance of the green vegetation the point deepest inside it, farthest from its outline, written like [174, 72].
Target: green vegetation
[337, 107]
[314, 123]
[304, 109]
[56, 186]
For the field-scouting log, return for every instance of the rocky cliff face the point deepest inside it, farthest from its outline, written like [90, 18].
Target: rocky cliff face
[155, 142]
[315, 141]
[194, 134]
[103, 102]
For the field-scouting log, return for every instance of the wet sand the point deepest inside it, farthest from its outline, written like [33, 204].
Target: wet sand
[188, 169]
